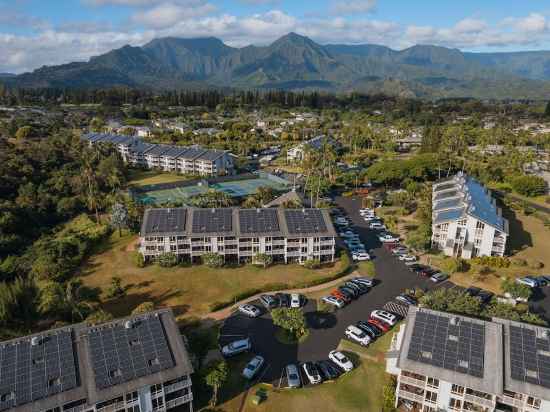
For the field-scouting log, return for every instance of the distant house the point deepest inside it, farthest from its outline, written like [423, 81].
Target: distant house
[170, 158]
[287, 198]
[465, 219]
[297, 152]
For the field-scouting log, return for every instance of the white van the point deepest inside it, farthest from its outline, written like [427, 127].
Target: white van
[384, 316]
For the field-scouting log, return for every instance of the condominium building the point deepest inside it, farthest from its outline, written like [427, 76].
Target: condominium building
[187, 160]
[288, 235]
[465, 219]
[136, 364]
[297, 153]
[446, 362]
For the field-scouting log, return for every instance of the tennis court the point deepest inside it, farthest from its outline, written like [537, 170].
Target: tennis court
[236, 188]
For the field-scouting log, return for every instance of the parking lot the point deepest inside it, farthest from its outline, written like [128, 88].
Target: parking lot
[326, 329]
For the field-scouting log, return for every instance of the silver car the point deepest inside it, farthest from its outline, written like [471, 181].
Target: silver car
[252, 367]
[250, 310]
[293, 376]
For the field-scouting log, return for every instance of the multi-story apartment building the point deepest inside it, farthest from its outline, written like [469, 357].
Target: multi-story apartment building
[136, 364]
[445, 362]
[465, 219]
[169, 158]
[288, 235]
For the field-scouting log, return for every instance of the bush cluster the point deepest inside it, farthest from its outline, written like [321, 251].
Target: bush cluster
[492, 261]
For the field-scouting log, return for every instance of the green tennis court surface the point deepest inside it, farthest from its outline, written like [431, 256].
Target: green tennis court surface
[237, 188]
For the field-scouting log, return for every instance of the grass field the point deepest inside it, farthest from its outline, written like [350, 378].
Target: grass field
[189, 290]
[357, 391]
[139, 178]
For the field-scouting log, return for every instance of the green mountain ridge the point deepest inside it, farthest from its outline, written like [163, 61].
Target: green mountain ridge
[297, 62]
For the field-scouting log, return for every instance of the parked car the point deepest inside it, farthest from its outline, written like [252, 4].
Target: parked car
[384, 316]
[473, 291]
[407, 258]
[387, 238]
[400, 250]
[269, 301]
[295, 300]
[485, 296]
[312, 373]
[284, 299]
[253, 367]
[439, 277]
[529, 281]
[377, 226]
[360, 256]
[341, 360]
[358, 335]
[365, 281]
[250, 310]
[379, 324]
[428, 272]
[328, 370]
[347, 292]
[236, 347]
[293, 376]
[361, 286]
[372, 330]
[406, 299]
[338, 294]
[542, 281]
[333, 300]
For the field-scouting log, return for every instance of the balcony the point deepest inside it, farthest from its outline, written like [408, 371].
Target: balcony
[179, 401]
[410, 396]
[488, 403]
[177, 386]
[508, 400]
[412, 381]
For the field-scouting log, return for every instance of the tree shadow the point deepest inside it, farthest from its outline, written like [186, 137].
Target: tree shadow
[518, 239]
[320, 320]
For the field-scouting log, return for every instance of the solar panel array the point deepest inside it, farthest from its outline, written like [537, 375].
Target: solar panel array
[305, 221]
[165, 220]
[529, 356]
[437, 342]
[212, 220]
[120, 354]
[31, 372]
[258, 221]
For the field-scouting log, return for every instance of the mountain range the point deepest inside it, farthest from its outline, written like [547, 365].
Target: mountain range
[297, 63]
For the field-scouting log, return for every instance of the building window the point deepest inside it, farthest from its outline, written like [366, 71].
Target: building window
[158, 403]
[433, 382]
[268, 239]
[132, 396]
[457, 389]
[455, 404]
[462, 222]
[428, 409]
[431, 397]
[533, 402]
[157, 388]
[172, 239]
[220, 238]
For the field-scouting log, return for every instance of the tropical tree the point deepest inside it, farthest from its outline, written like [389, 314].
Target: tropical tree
[213, 260]
[291, 320]
[119, 217]
[216, 376]
[116, 290]
[263, 259]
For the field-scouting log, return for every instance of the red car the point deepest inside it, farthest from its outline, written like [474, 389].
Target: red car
[339, 295]
[379, 324]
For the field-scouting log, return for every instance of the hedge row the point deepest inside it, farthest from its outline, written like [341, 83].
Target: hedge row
[271, 287]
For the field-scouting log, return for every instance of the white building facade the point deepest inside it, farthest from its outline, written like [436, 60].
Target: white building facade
[466, 222]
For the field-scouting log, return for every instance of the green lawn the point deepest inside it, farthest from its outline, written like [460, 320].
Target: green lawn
[189, 290]
[139, 178]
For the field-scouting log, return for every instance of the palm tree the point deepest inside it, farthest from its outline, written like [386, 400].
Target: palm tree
[90, 181]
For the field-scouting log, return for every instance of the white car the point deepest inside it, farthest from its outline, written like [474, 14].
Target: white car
[356, 334]
[312, 373]
[252, 367]
[370, 218]
[295, 300]
[331, 300]
[365, 281]
[340, 360]
[407, 258]
[377, 226]
[250, 310]
[529, 281]
[360, 256]
[236, 347]
[400, 251]
[388, 239]
[384, 316]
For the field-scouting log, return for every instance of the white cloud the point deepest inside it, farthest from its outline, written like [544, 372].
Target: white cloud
[470, 25]
[534, 23]
[167, 14]
[352, 7]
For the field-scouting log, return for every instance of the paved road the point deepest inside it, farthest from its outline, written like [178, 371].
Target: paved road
[326, 330]
[533, 205]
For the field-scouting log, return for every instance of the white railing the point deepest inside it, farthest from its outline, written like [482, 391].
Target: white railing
[410, 396]
[177, 386]
[179, 401]
[480, 401]
[509, 400]
[412, 381]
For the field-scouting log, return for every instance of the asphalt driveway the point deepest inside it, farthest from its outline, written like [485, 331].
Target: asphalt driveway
[327, 329]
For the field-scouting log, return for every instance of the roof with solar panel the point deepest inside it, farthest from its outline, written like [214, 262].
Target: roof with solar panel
[462, 195]
[527, 358]
[164, 221]
[453, 348]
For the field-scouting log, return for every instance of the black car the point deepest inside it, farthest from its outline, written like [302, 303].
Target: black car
[369, 329]
[350, 293]
[416, 268]
[284, 299]
[355, 287]
[406, 299]
[473, 291]
[485, 296]
[361, 286]
[269, 301]
[328, 370]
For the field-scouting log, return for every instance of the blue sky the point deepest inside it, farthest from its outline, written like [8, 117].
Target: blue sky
[34, 33]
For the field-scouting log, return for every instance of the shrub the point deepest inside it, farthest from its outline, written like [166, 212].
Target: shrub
[143, 308]
[115, 288]
[167, 260]
[312, 264]
[519, 262]
[492, 261]
[454, 265]
[516, 290]
[528, 185]
[139, 260]
[535, 264]
[212, 260]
